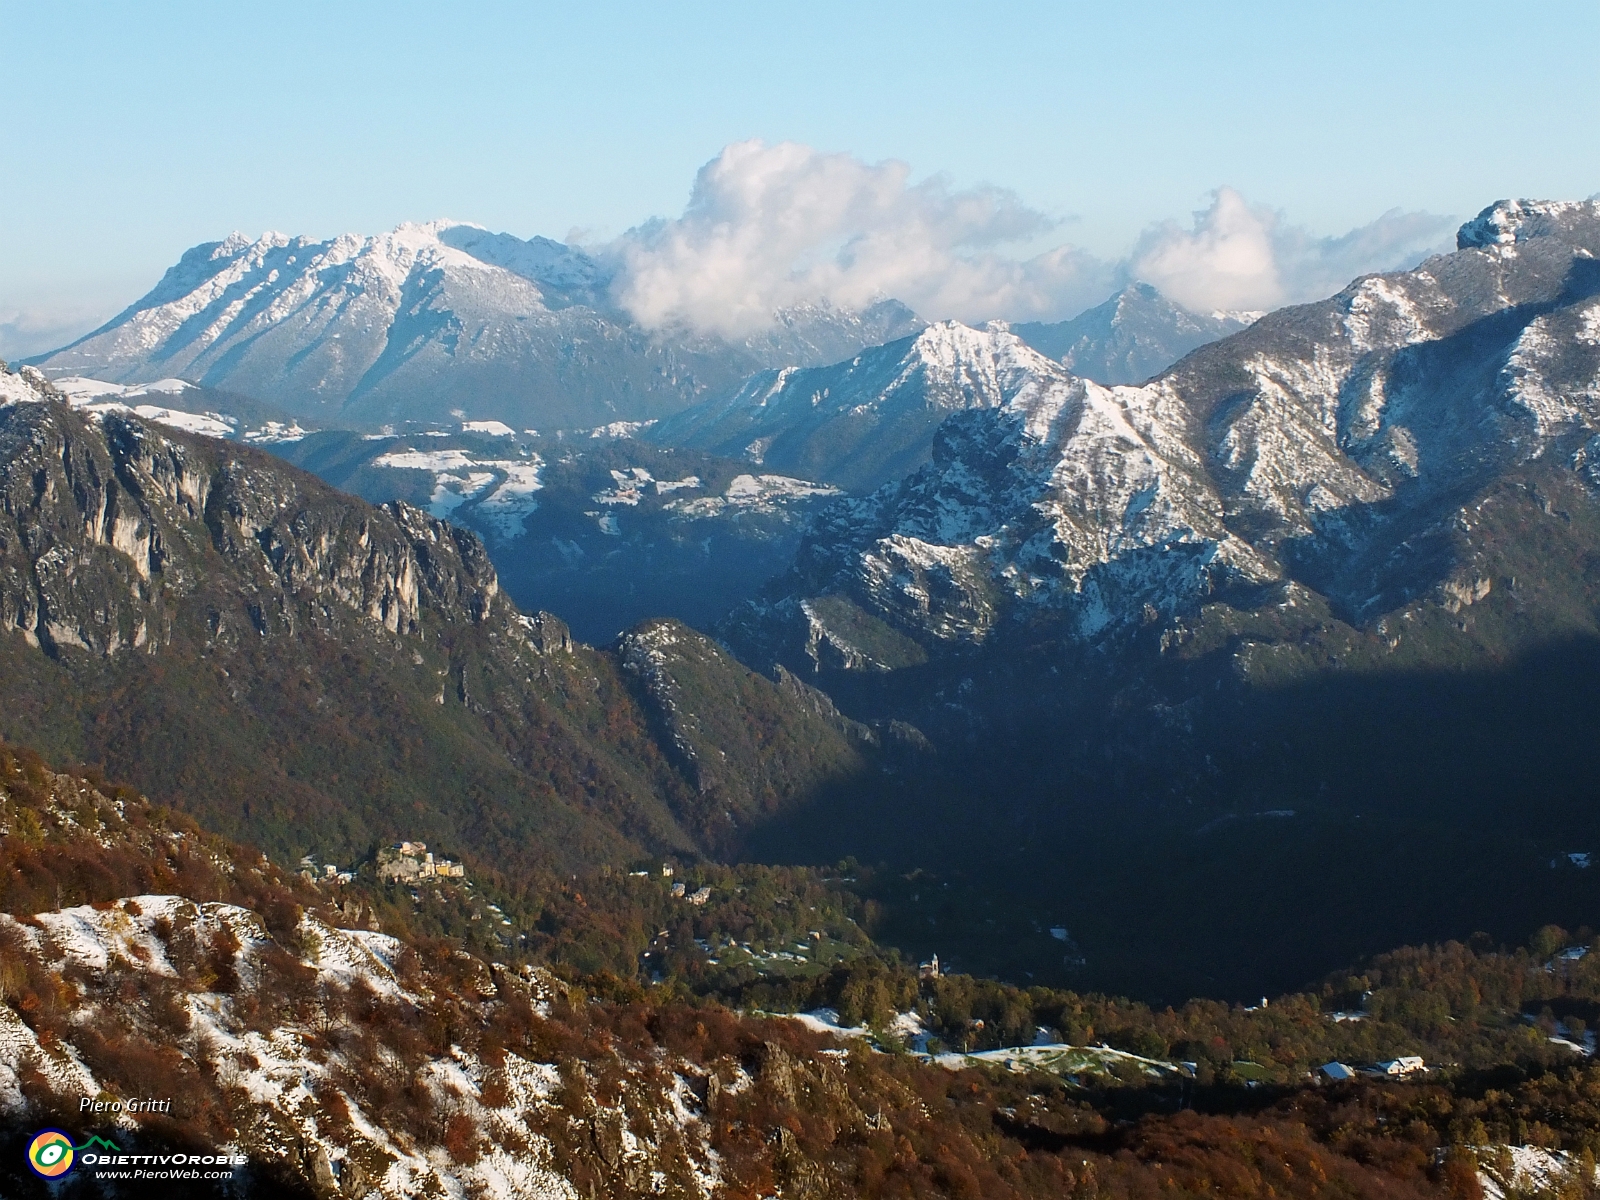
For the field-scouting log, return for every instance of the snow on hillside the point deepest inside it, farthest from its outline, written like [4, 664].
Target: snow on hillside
[292, 1084]
[97, 397]
[501, 490]
[492, 428]
[751, 493]
[80, 388]
[861, 422]
[1317, 427]
[1525, 1170]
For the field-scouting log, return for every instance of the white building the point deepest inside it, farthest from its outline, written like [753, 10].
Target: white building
[1405, 1065]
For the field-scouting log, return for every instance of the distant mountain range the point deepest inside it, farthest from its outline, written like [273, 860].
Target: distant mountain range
[1135, 335]
[447, 328]
[872, 419]
[1325, 589]
[430, 320]
[447, 321]
[1337, 450]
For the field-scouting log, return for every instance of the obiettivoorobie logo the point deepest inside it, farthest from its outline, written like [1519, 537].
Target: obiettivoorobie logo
[52, 1154]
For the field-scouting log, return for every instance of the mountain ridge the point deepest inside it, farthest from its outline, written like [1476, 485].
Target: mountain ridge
[1280, 455]
[873, 418]
[430, 318]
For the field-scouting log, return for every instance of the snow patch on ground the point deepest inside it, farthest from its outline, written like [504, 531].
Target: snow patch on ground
[503, 489]
[209, 424]
[619, 429]
[275, 433]
[505, 508]
[753, 493]
[1528, 1170]
[826, 1020]
[79, 388]
[98, 397]
[425, 460]
[1059, 1058]
[18, 389]
[276, 1068]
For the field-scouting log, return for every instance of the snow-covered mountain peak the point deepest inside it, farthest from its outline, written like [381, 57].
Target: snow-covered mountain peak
[872, 417]
[1313, 445]
[984, 366]
[430, 317]
[1507, 222]
[237, 243]
[552, 265]
[1131, 337]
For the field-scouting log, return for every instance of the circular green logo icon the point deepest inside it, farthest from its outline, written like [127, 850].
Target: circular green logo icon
[50, 1153]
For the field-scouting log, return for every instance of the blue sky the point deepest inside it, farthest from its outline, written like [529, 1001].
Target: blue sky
[134, 131]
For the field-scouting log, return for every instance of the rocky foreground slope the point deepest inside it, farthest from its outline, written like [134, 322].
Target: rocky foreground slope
[296, 665]
[142, 959]
[166, 993]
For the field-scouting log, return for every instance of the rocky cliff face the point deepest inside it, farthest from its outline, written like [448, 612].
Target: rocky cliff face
[607, 530]
[302, 666]
[116, 527]
[1335, 448]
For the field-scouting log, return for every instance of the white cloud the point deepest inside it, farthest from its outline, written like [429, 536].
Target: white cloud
[28, 331]
[1244, 256]
[769, 226]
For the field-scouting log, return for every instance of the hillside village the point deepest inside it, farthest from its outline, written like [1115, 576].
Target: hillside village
[413, 860]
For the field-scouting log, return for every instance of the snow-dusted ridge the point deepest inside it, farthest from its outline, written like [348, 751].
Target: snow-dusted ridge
[1102, 509]
[100, 397]
[859, 422]
[429, 319]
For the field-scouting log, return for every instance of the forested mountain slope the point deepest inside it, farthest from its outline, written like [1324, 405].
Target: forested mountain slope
[1320, 600]
[144, 959]
[314, 672]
